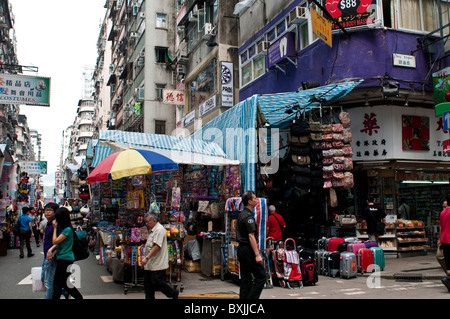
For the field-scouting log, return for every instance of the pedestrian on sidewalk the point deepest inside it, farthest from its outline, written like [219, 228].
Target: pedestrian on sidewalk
[373, 215]
[275, 224]
[250, 261]
[63, 240]
[156, 260]
[26, 230]
[49, 263]
[34, 225]
[444, 220]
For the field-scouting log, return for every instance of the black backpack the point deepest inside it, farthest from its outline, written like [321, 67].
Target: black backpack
[80, 247]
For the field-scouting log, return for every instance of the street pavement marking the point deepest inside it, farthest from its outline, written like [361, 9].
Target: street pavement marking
[26, 281]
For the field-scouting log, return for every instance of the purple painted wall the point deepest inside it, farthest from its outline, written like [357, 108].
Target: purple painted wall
[365, 54]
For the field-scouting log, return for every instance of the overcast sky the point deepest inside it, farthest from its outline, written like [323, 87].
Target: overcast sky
[59, 37]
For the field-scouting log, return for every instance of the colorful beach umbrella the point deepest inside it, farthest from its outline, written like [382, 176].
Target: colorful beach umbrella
[130, 162]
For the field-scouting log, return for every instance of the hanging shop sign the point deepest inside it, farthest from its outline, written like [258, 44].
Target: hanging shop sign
[282, 49]
[188, 119]
[175, 97]
[38, 167]
[321, 27]
[441, 90]
[209, 105]
[353, 13]
[393, 132]
[227, 84]
[22, 89]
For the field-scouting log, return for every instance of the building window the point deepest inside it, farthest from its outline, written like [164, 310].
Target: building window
[202, 86]
[160, 127]
[159, 91]
[161, 20]
[162, 55]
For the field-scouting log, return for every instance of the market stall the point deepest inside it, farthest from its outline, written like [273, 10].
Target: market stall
[190, 200]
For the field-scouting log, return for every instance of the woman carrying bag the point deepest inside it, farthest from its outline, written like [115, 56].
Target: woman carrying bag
[64, 254]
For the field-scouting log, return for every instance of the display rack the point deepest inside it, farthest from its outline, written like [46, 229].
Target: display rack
[388, 241]
[411, 240]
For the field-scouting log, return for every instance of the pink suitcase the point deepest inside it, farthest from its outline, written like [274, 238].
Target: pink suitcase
[355, 247]
[333, 243]
[365, 259]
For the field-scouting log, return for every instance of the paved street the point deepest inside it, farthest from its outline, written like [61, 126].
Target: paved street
[96, 283]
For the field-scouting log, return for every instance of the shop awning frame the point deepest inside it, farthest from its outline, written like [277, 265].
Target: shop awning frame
[182, 150]
[247, 116]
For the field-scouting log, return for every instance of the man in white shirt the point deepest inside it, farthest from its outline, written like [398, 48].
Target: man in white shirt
[156, 260]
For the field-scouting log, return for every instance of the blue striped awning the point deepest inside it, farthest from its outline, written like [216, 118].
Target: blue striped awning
[165, 143]
[273, 106]
[235, 130]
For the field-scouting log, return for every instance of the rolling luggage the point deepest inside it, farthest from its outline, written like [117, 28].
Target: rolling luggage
[348, 267]
[333, 243]
[378, 257]
[318, 260]
[334, 260]
[370, 243]
[306, 253]
[355, 247]
[309, 272]
[321, 244]
[365, 259]
[326, 263]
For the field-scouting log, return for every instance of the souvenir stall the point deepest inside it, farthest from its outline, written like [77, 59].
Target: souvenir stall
[233, 207]
[187, 199]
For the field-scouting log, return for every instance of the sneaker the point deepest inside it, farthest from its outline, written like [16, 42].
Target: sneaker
[446, 282]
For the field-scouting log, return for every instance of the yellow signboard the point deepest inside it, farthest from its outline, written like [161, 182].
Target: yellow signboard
[321, 27]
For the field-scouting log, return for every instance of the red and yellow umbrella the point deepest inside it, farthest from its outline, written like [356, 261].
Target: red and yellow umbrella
[130, 162]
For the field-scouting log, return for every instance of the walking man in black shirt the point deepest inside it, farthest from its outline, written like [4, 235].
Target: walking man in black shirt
[250, 261]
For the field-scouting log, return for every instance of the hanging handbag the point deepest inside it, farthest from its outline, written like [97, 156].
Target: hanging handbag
[84, 209]
[299, 127]
[301, 159]
[346, 221]
[344, 117]
[67, 205]
[348, 180]
[299, 140]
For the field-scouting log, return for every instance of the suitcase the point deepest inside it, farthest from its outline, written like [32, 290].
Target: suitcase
[309, 272]
[306, 253]
[365, 259]
[341, 247]
[333, 243]
[350, 239]
[378, 257]
[318, 260]
[354, 247]
[334, 260]
[321, 244]
[370, 244]
[326, 263]
[348, 267]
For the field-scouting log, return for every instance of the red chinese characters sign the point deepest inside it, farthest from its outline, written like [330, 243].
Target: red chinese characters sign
[173, 97]
[415, 133]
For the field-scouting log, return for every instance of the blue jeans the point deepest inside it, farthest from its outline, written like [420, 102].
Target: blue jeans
[48, 276]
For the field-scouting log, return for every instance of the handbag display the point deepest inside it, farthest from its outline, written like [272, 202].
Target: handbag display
[300, 127]
[84, 209]
[301, 159]
[344, 117]
[345, 221]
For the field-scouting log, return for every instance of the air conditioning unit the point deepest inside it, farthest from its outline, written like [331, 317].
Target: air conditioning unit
[208, 31]
[133, 35]
[141, 15]
[139, 94]
[141, 61]
[262, 47]
[298, 15]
